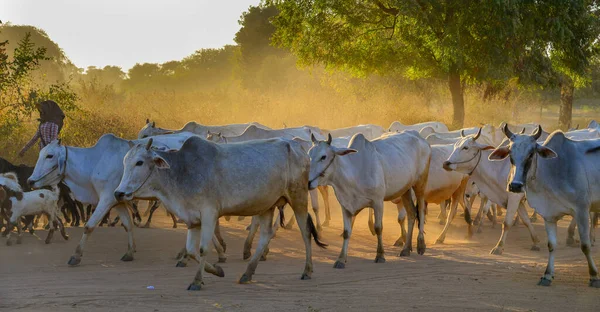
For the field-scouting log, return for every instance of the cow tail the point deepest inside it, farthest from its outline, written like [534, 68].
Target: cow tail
[312, 230]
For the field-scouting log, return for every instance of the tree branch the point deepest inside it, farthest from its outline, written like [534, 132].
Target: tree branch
[387, 10]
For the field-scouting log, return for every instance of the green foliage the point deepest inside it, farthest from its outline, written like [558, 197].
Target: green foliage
[18, 92]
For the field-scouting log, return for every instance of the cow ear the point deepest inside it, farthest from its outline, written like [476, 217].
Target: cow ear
[131, 144]
[61, 162]
[546, 152]
[344, 151]
[160, 162]
[153, 124]
[500, 153]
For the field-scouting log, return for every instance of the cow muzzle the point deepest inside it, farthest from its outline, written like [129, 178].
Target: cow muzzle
[447, 166]
[515, 187]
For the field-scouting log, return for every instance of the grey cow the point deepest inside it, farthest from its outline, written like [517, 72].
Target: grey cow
[204, 181]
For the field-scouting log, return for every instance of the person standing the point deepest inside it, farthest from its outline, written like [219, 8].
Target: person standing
[51, 122]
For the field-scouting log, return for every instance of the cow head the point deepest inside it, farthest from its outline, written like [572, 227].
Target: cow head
[150, 129]
[139, 164]
[9, 187]
[466, 154]
[50, 166]
[322, 155]
[522, 150]
[216, 137]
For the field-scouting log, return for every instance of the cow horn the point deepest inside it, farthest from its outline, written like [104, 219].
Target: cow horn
[149, 145]
[59, 141]
[147, 120]
[522, 131]
[538, 132]
[507, 131]
[329, 138]
[477, 134]
[462, 133]
[153, 124]
[577, 127]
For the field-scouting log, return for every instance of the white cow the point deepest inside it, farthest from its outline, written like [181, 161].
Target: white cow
[150, 129]
[397, 126]
[370, 131]
[471, 157]
[256, 133]
[367, 173]
[204, 181]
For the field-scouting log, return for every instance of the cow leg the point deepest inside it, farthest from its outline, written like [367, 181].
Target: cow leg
[421, 207]
[450, 217]
[190, 251]
[340, 263]
[594, 220]
[443, 215]
[307, 229]
[175, 221]
[525, 217]
[101, 210]
[583, 226]
[378, 211]
[314, 202]
[485, 211]
[533, 217]
[266, 233]
[217, 234]
[137, 219]
[53, 226]
[209, 222]
[551, 228]
[411, 211]
[63, 233]
[128, 225]
[290, 223]
[324, 190]
[88, 213]
[371, 223]
[511, 210]
[250, 238]
[571, 241]
[10, 233]
[153, 208]
[401, 217]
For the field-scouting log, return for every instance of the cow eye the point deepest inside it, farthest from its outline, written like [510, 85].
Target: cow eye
[144, 136]
[139, 163]
[49, 156]
[323, 157]
[465, 148]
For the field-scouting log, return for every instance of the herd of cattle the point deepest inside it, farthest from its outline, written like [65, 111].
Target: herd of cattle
[201, 173]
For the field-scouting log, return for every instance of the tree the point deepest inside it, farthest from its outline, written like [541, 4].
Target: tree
[463, 42]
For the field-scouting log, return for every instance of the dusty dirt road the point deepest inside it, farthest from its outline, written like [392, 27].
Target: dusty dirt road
[456, 276]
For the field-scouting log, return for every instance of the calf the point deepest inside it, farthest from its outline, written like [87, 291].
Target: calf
[18, 203]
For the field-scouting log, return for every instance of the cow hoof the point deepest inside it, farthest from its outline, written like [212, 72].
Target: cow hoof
[222, 260]
[245, 279]
[339, 265]
[305, 277]
[421, 246]
[248, 228]
[220, 272]
[263, 258]
[535, 248]
[405, 253]
[247, 255]
[288, 226]
[533, 220]
[439, 241]
[194, 286]
[145, 226]
[66, 237]
[74, 261]
[47, 241]
[544, 282]
[399, 243]
[595, 283]
[571, 242]
[379, 259]
[496, 251]
[174, 225]
[180, 264]
[127, 257]
[224, 246]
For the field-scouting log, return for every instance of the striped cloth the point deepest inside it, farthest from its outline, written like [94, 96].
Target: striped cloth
[47, 132]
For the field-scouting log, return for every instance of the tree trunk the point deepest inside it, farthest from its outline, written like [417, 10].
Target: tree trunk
[458, 101]
[566, 103]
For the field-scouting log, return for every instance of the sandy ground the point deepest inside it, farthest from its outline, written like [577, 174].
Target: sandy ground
[456, 276]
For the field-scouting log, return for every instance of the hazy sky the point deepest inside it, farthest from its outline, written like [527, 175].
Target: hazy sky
[125, 32]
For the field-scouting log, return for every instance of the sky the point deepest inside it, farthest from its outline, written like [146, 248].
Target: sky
[125, 32]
